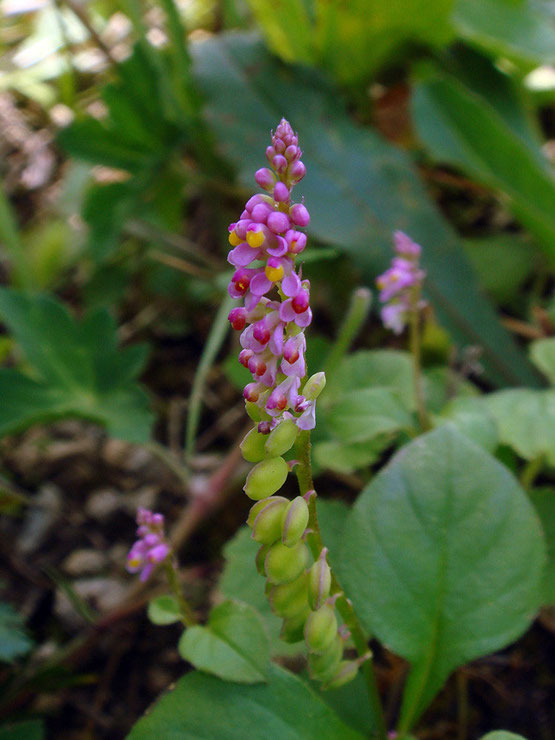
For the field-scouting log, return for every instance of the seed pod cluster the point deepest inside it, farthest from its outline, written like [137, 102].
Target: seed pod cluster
[297, 589]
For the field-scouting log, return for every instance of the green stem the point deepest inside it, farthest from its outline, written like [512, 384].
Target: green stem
[415, 349]
[303, 471]
[531, 471]
[169, 459]
[355, 317]
[187, 615]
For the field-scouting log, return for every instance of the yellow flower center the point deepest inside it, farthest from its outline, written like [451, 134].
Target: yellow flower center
[274, 273]
[234, 240]
[255, 239]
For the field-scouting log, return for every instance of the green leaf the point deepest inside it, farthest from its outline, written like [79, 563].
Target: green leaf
[461, 125]
[544, 502]
[75, 369]
[542, 354]
[233, 645]
[502, 735]
[470, 417]
[526, 421]
[32, 729]
[442, 566]
[164, 610]
[358, 188]
[14, 641]
[517, 29]
[203, 706]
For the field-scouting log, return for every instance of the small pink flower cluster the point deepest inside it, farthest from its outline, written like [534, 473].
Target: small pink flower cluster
[400, 284]
[266, 241]
[151, 548]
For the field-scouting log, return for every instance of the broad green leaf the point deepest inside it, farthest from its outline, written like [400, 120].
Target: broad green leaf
[502, 735]
[74, 369]
[32, 729]
[470, 417]
[164, 610]
[526, 421]
[202, 706]
[358, 188]
[442, 384]
[361, 415]
[240, 579]
[460, 125]
[544, 501]
[517, 29]
[442, 566]
[14, 641]
[542, 354]
[233, 645]
[345, 458]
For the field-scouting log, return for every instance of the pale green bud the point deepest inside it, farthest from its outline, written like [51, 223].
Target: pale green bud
[319, 581]
[320, 629]
[252, 446]
[267, 527]
[289, 599]
[284, 564]
[255, 411]
[259, 505]
[294, 521]
[292, 629]
[345, 672]
[314, 386]
[266, 478]
[322, 667]
[282, 438]
[260, 559]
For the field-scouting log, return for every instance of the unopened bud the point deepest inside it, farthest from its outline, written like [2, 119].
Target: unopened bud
[294, 521]
[346, 671]
[320, 629]
[292, 629]
[260, 559]
[252, 446]
[319, 581]
[259, 505]
[288, 600]
[282, 438]
[314, 386]
[266, 478]
[266, 527]
[284, 564]
[322, 667]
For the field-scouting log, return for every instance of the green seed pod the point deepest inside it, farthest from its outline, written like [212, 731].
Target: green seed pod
[314, 386]
[320, 629]
[292, 629]
[323, 667]
[319, 581]
[253, 410]
[266, 527]
[294, 521]
[260, 558]
[345, 672]
[289, 599]
[266, 478]
[252, 446]
[259, 505]
[282, 438]
[284, 564]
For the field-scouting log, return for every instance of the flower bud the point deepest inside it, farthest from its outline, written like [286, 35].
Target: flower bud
[259, 505]
[288, 600]
[319, 581]
[345, 672]
[260, 559]
[265, 178]
[282, 438]
[266, 527]
[320, 629]
[266, 478]
[294, 521]
[299, 213]
[253, 446]
[292, 629]
[284, 564]
[314, 386]
[322, 667]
